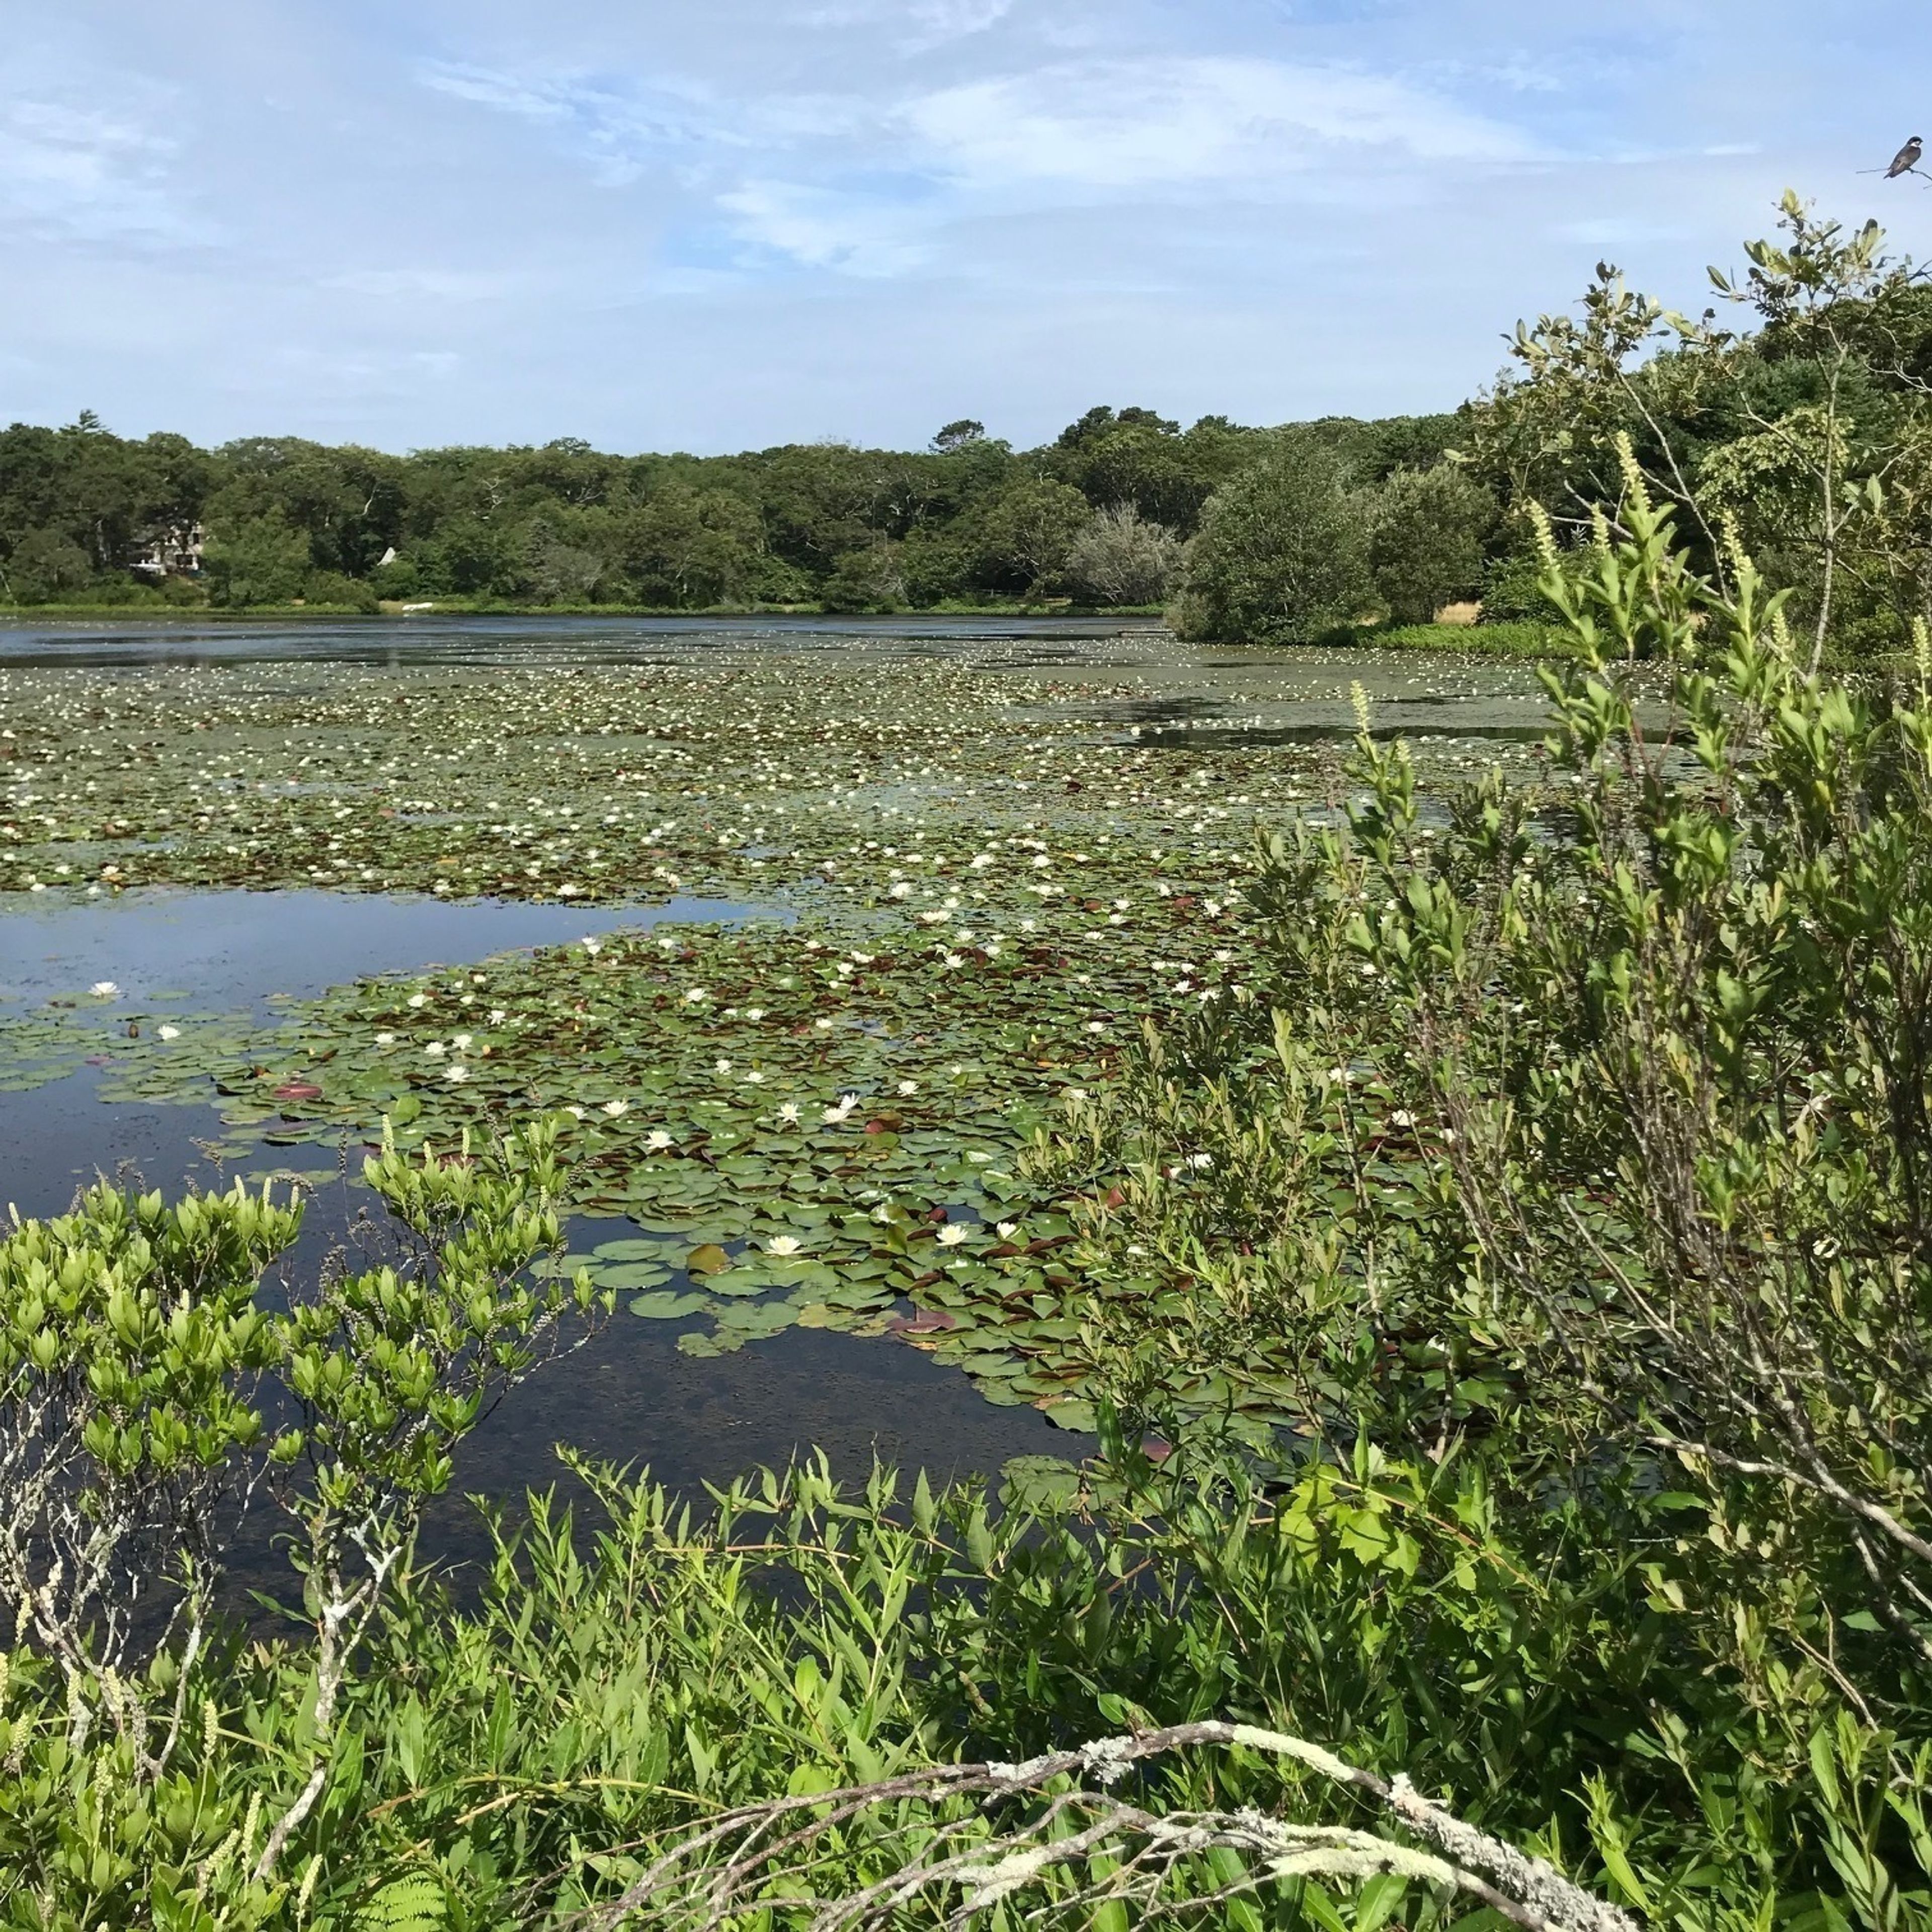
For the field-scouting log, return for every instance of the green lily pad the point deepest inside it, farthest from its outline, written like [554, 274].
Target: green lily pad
[632, 1274]
[667, 1305]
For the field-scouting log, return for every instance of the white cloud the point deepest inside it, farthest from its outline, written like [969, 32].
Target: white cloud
[927, 23]
[91, 173]
[440, 285]
[823, 228]
[1153, 123]
[618, 132]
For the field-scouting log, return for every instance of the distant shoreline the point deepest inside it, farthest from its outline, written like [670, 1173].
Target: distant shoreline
[198, 613]
[1523, 640]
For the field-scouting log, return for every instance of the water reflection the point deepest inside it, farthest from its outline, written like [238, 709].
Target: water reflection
[234, 949]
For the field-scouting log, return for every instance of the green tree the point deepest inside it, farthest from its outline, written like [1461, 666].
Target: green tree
[1282, 553]
[955, 435]
[690, 548]
[1427, 532]
[43, 565]
[264, 562]
[1021, 537]
[866, 580]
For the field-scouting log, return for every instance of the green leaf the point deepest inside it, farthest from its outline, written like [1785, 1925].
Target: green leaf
[667, 1305]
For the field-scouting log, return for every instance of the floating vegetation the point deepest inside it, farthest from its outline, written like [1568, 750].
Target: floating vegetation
[975, 892]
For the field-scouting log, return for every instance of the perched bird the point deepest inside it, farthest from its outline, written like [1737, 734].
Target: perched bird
[1906, 160]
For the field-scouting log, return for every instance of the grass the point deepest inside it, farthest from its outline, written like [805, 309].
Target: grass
[1514, 638]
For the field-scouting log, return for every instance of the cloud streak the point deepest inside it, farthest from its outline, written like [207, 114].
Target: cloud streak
[715, 226]
[91, 174]
[1161, 124]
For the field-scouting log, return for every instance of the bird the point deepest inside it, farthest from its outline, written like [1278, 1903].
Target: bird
[1906, 160]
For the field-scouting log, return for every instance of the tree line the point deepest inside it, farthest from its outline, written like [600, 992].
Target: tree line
[1802, 431]
[1101, 516]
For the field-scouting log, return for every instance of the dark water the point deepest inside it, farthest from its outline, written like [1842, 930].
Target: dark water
[232, 949]
[627, 1396]
[429, 638]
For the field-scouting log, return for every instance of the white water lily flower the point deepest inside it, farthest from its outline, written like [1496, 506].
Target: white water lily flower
[657, 1140]
[754, 1012]
[721, 1067]
[616, 1108]
[461, 1041]
[900, 891]
[385, 1039]
[835, 1116]
[456, 1073]
[1008, 1229]
[497, 1015]
[575, 1113]
[954, 961]
[436, 1049]
[593, 946]
[168, 1032]
[953, 1235]
[694, 994]
[104, 989]
[908, 1088]
[784, 1246]
[788, 1114]
[418, 999]
[755, 1079]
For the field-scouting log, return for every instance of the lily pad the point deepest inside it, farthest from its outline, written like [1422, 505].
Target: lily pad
[632, 1274]
[667, 1305]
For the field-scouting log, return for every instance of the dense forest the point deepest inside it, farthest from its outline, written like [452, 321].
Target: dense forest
[1099, 516]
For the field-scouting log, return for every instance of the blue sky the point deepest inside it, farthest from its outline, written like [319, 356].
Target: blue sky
[717, 224]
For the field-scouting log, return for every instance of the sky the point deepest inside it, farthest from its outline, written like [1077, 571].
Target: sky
[712, 225]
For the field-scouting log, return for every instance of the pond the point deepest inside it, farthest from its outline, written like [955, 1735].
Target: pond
[805, 928]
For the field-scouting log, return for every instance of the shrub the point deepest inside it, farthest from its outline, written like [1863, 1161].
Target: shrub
[1121, 558]
[1426, 529]
[1281, 555]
